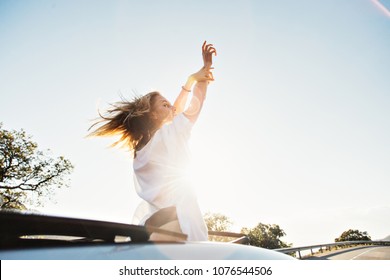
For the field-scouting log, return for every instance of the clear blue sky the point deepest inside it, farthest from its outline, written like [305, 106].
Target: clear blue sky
[295, 130]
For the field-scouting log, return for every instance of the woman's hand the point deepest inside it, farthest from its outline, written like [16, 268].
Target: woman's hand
[202, 78]
[207, 52]
[203, 75]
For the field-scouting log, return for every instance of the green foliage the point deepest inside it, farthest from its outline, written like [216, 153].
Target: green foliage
[217, 222]
[27, 175]
[353, 235]
[266, 236]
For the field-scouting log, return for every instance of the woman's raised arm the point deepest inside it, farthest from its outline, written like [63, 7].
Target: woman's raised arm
[201, 78]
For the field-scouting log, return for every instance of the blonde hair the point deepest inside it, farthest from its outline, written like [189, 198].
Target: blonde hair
[130, 120]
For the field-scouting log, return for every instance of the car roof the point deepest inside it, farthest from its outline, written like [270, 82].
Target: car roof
[35, 236]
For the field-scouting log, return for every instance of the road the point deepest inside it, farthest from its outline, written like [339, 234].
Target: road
[356, 253]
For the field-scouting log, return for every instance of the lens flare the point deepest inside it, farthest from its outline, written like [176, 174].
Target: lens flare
[382, 7]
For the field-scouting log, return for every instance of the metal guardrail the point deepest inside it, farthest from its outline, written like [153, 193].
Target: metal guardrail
[329, 246]
[243, 239]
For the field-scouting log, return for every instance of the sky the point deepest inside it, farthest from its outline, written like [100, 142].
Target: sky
[295, 130]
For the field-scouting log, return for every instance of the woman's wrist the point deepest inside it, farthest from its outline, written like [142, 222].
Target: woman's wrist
[186, 89]
[189, 83]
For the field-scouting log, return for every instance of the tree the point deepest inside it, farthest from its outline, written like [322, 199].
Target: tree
[353, 235]
[266, 236]
[217, 222]
[27, 175]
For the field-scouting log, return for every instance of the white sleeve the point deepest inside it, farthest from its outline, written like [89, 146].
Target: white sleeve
[180, 127]
[183, 125]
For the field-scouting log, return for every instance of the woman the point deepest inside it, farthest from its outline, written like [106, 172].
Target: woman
[157, 133]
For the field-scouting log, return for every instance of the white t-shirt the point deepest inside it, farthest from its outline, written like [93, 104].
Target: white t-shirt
[160, 178]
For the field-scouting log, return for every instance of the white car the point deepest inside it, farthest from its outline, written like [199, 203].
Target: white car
[39, 237]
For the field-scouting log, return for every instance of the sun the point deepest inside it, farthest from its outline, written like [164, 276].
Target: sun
[211, 174]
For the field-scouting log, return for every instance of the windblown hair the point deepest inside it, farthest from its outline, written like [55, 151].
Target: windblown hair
[130, 120]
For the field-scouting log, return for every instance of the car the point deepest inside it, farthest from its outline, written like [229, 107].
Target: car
[32, 236]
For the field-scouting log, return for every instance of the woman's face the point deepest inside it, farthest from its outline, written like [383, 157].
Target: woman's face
[162, 110]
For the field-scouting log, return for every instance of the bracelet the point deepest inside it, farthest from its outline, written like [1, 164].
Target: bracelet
[187, 90]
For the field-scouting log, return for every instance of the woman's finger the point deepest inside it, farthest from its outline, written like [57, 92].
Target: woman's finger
[207, 47]
[204, 47]
[212, 50]
[209, 76]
